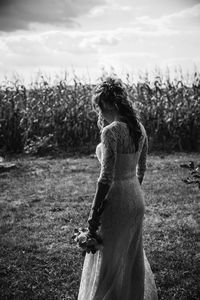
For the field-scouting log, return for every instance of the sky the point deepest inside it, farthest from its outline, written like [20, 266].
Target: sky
[84, 37]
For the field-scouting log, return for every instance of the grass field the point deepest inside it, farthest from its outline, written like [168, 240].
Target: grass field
[44, 199]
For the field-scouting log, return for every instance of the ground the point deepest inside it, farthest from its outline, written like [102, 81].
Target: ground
[43, 200]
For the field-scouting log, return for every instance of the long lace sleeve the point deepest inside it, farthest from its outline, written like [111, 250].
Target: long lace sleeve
[142, 163]
[108, 144]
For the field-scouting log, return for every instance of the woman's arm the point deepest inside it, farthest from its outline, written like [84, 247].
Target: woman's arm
[98, 206]
[141, 168]
[108, 144]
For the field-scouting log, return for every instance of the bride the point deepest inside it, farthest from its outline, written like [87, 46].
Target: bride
[119, 270]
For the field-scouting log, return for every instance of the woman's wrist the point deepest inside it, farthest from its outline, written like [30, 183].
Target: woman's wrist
[140, 178]
[93, 225]
[95, 209]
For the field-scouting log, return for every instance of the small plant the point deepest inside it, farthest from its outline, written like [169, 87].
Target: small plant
[194, 173]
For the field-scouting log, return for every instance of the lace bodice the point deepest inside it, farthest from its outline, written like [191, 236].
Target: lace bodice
[116, 140]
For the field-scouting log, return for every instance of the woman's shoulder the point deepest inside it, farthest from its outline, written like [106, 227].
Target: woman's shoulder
[116, 125]
[113, 127]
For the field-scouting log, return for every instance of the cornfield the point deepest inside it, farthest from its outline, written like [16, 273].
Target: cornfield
[46, 118]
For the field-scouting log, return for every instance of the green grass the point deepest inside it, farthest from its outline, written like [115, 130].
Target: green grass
[43, 200]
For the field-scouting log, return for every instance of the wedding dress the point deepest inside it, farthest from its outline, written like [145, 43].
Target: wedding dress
[120, 271]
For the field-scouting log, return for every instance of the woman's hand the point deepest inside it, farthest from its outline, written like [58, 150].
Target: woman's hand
[94, 221]
[86, 241]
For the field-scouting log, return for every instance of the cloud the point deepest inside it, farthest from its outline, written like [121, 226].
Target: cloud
[92, 48]
[54, 48]
[21, 14]
[52, 45]
[186, 19]
[157, 8]
[78, 42]
[95, 42]
[110, 6]
[58, 43]
[55, 43]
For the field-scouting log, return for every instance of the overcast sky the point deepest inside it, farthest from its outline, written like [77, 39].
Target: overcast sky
[86, 35]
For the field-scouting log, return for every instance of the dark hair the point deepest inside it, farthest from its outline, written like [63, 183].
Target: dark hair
[112, 91]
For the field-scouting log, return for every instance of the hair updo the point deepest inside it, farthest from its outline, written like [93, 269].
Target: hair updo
[112, 91]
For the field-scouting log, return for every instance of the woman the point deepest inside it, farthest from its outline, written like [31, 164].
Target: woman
[120, 270]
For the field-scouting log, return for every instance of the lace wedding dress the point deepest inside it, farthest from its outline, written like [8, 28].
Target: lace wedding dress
[120, 271]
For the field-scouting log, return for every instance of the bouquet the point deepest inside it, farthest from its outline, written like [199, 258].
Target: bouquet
[87, 241]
